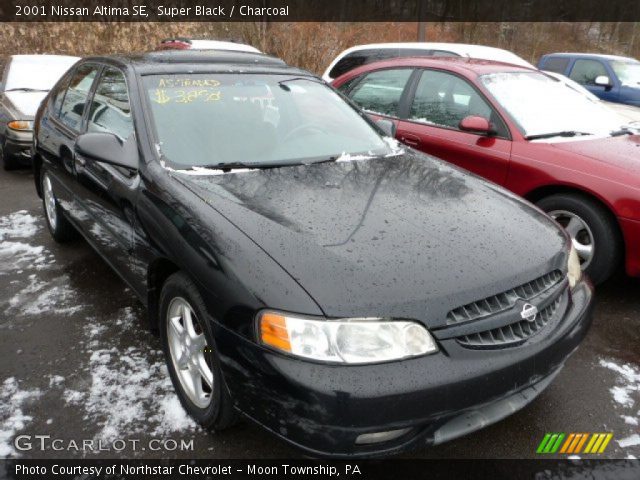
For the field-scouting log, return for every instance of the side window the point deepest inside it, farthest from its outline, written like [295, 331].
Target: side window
[443, 99]
[76, 95]
[346, 86]
[109, 110]
[58, 96]
[556, 64]
[585, 71]
[380, 92]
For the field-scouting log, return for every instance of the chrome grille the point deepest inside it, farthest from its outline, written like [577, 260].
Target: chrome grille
[503, 301]
[513, 333]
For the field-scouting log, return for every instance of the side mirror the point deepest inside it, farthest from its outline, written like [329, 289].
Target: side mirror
[476, 124]
[603, 81]
[387, 126]
[107, 148]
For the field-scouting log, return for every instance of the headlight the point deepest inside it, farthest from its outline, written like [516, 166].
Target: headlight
[354, 340]
[23, 125]
[574, 270]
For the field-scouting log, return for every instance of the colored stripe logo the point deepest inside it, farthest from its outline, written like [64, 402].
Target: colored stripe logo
[574, 443]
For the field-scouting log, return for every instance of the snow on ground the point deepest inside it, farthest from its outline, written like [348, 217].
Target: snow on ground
[15, 252]
[626, 396]
[130, 391]
[12, 418]
[18, 224]
[630, 441]
[38, 297]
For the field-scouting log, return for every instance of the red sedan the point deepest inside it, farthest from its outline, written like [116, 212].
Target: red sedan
[525, 131]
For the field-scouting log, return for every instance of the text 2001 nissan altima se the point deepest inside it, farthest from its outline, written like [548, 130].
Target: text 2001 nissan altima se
[349, 296]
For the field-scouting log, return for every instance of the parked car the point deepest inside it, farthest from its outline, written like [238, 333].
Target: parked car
[26, 79]
[525, 131]
[182, 43]
[609, 77]
[351, 296]
[630, 113]
[365, 54]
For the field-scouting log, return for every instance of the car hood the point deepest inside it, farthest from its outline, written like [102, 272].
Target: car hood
[622, 152]
[25, 104]
[403, 237]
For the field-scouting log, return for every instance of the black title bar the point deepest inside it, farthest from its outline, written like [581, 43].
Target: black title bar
[320, 10]
[313, 469]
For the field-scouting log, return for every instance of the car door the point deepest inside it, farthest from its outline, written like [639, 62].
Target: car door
[380, 93]
[440, 100]
[108, 193]
[61, 123]
[586, 70]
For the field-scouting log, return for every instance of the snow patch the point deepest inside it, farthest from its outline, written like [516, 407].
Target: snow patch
[12, 418]
[15, 253]
[625, 395]
[130, 390]
[39, 297]
[630, 441]
[55, 380]
[19, 224]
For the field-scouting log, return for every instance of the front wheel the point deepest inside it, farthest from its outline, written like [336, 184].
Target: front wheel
[593, 232]
[191, 355]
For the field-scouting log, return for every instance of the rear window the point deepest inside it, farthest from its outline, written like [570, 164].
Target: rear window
[556, 64]
[364, 57]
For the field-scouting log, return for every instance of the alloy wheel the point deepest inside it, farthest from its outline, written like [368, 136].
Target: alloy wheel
[49, 202]
[189, 352]
[580, 233]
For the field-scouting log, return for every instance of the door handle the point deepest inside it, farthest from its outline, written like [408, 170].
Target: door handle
[409, 139]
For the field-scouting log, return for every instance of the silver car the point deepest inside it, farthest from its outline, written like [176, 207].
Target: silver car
[26, 80]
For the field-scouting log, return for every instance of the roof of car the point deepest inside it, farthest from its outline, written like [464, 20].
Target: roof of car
[197, 43]
[469, 65]
[47, 57]
[462, 49]
[590, 55]
[200, 60]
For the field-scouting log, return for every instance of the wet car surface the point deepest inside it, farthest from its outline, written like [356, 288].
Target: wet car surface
[77, 364]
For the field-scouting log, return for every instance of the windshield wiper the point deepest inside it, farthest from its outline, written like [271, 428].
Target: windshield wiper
[330, 159]
[566, 133]
[24, 89]
[239, 165]
[622, 131]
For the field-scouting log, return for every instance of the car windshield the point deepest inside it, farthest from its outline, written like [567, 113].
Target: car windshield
[541, 106]
[35, 72]
[255, 120]
[627, 72]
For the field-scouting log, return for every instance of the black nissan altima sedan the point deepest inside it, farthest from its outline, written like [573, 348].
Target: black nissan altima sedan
[303, 270]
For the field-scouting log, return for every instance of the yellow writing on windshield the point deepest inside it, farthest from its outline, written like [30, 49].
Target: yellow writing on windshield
[187, 82]
[162, 96]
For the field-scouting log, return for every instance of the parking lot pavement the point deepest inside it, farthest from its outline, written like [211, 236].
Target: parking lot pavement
[76, 365]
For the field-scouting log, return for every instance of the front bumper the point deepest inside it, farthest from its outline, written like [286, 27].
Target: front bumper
[17, 146]
[324, 408]
[631, 234]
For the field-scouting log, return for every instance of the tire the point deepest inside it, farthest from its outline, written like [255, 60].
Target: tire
[209, 405]
[60, 228]
[599, 226]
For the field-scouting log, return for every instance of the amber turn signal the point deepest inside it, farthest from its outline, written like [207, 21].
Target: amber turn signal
[273, 331]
